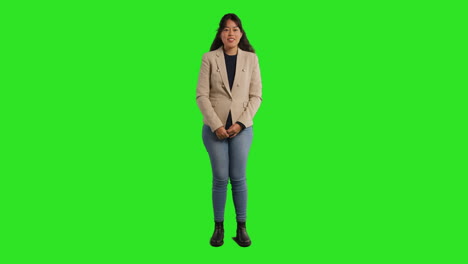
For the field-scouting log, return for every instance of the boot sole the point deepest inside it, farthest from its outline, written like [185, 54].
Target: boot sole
[216, 245]
[242, 244]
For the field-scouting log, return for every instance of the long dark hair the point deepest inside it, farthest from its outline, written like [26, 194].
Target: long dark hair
[244, 43]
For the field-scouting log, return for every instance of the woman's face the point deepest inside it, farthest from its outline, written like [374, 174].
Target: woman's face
[231, 35]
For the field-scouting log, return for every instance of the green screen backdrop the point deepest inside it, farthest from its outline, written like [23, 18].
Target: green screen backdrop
[359, 145]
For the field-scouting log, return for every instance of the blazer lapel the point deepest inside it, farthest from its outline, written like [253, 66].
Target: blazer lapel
[239, 67]
[222, 69]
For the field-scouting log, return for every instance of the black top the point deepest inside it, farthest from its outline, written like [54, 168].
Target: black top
[231, 61]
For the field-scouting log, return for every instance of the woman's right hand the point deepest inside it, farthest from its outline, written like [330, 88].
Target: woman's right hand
[221, 133]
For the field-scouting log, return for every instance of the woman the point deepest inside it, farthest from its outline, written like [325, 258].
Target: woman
[229, 94]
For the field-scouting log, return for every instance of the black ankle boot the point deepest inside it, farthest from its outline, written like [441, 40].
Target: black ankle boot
[242, 237]
[218, 235]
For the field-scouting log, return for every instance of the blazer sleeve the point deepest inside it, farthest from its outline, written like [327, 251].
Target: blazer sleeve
[255, 96]
[203, 96]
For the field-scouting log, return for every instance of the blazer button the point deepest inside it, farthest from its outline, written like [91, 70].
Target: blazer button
[243, 70]
[217, 70]
[222, 85]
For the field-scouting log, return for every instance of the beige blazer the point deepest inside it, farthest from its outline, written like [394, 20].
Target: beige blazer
[214, 96]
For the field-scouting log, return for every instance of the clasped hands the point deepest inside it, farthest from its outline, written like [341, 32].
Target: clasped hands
[222, 133]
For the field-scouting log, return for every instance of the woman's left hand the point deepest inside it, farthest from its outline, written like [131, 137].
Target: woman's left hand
[234, 130]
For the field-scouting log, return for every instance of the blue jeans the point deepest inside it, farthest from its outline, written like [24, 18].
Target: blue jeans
[228, 162]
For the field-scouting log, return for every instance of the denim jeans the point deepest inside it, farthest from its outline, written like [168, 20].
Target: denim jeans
[228, 162]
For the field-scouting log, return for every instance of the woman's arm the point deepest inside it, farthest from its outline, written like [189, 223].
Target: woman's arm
[203, 96]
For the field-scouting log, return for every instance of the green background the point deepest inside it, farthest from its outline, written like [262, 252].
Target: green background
[359, 145]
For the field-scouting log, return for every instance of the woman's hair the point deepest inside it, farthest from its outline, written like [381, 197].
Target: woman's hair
[244, 43]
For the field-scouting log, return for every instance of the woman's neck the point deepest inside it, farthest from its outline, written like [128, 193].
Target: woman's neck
[231, 51]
